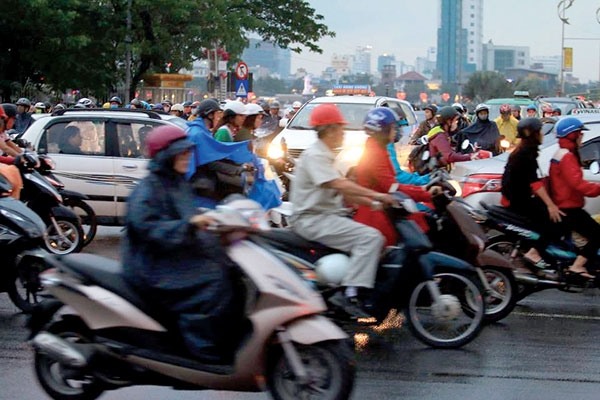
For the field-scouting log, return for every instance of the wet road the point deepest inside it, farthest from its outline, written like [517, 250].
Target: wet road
[547, 349]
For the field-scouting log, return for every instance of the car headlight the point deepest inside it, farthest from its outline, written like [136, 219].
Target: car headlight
[275, 151]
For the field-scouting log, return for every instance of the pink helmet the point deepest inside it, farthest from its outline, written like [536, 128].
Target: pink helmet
[505, 109]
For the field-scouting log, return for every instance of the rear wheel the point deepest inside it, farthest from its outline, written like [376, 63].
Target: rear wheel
[329, 366]
[59, 381]
[88, 219]
[64, 238]
[501, 298]
[454, 319]
[506, 248]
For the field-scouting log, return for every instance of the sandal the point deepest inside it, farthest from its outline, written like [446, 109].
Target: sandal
[540, 264]
[579, 274]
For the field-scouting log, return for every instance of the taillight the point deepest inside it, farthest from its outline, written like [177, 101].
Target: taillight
[481, 183]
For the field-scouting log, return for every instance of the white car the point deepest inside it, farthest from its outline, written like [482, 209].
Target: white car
[109, 161]
[298, 134]
[481, 180]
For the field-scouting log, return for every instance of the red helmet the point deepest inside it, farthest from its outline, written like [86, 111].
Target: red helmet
[164, 137]
[505, 109]
[547, 108]
[326, 114]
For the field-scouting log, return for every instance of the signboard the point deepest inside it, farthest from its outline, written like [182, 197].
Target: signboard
[568, 59]
[241, 71]
[241, 88]
[351, 90]
[579, 111]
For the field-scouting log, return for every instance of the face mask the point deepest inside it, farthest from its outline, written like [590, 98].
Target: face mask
[114, 106]
[483, 116]
[38, 110]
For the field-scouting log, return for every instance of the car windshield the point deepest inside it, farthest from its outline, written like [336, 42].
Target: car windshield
[549, 140]
[180, 122]
[354, 113]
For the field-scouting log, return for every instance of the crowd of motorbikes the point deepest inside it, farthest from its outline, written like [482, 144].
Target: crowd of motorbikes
[93, 333]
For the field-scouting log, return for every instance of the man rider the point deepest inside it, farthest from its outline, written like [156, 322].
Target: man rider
[318, 192]
[425, 126]
[23, 119]
[507, 124]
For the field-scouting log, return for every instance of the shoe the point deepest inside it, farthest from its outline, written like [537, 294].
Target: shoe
[350, 305]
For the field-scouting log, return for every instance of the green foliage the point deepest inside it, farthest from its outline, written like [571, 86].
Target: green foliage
[357, 79]
[483, 85]
[82, 43]
[269, 86]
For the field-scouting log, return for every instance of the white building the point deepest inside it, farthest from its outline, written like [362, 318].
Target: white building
[472, 21]
[500, 58]
[362, 60]
[546, 63]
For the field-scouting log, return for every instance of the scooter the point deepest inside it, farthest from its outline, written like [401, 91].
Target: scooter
[64, 232]
[99, 335]
[21, 230]
[441, 295]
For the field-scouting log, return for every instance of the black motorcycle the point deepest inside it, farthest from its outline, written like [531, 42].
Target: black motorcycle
[441, 295]
[21, 230]
[75, 200]
[64, 232]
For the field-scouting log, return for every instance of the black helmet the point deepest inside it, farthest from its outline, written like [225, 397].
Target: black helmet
[527, 126]
[23, 101]
[115, 99]
[446, 114]
[432, 108]
[136, 102]
[206, 107]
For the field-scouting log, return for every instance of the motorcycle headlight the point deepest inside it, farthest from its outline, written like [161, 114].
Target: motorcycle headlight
[275, 151]
[352, 155]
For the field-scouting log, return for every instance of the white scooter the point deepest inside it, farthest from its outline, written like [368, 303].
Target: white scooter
[99, 335]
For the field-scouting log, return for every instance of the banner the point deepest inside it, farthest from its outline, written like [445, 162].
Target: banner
[568, 59]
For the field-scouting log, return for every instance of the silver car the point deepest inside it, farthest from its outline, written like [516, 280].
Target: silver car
[481, 180]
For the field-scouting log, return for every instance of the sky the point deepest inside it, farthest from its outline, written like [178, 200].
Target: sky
[407, 28]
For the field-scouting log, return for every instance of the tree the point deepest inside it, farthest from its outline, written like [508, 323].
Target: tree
[269, 86]
[82, 44]
[484, 85]
[534, 86]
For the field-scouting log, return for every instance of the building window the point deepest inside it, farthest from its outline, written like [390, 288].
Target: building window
[472, 33]
[472, 15]
[521, 54]
[471, 41]
[521, 62]
[471, 59]
[472, 51]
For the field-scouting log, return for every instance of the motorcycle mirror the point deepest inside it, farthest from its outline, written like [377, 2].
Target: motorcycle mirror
[465, 144]
[595, 168]
[425, 155]
[423, 140]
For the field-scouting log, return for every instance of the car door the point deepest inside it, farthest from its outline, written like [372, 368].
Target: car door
[590, 152]
[78, 148]
[130, 164]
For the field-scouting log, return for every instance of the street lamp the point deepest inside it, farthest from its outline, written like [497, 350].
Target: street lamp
[562, 7]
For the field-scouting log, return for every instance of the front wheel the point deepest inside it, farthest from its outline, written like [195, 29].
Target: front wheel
[63, 236]
[25, 291]
[329, 366]
[88, 219]
[454, 318]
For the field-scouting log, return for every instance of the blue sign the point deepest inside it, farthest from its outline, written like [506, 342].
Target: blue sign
[241, 88]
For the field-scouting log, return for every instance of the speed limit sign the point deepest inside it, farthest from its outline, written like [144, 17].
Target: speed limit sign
[241, 70]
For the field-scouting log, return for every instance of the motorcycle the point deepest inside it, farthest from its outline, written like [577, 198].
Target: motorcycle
[64, 233]
[440, 295]
[72, 199]
[20, 230]
[99, 335]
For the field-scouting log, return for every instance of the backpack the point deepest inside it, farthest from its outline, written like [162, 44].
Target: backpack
[416, 163]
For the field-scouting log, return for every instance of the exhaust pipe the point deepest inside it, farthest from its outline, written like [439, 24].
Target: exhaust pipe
[59, 350]
[532, 280]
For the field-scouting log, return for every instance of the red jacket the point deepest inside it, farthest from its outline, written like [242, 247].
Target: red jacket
[568, 188]
[375, 171]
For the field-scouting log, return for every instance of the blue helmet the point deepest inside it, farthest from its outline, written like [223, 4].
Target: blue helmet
[569, 125]
[531, 107]
[379, 118]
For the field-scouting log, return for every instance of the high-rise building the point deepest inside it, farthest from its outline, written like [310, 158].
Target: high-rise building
[501, 58]
[267, 55]
[459, 39]
[385, 59]
[362, 60]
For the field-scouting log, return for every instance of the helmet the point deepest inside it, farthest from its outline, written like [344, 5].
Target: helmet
[187, 104]
[527, 126]
[326, 114]
[379, 118]
[482, 107]
[87, 103]
[115, 99]
[157, 107]
[332, 268]
[254, 109]
[24, 102]
[136, 102]
[167, 102]
[531, 107]
[505, 109]
[515, 107]
[431, 108]
[196, 103]
[296, 104]
[60, 107]
[40, 105]
[264, 105]
[557, 110]
[459, 107]
[275, 104]
[446, 114]
[546, 108]
[177, 107]
[569, 125]
[79, 106]
[207, 107]
[237, 107]
[167, 137]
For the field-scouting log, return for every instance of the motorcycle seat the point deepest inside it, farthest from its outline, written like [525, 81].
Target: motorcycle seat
[104, 272]
[505, 214]
[285, 239]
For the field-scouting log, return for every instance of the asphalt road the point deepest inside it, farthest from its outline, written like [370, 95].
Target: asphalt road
[547, 349]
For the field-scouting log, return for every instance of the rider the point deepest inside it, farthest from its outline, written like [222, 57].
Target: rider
[115, 102]
[196, 289]
[425, 126]
[234, 114]
[531, 111]
[318, 192]
[374, 171]
[439, 138]
[516, 111]
[23, 119]
[482, 132]
[569, 189]
[524, 193]
[507, 124]
[6, 144]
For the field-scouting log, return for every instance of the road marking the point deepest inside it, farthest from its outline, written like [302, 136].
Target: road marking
[563, 316]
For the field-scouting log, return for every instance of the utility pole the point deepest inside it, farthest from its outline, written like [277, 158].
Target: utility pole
[562, 7]
[128, 54]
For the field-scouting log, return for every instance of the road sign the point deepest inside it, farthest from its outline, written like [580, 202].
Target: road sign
[241, 88]
[241, 71]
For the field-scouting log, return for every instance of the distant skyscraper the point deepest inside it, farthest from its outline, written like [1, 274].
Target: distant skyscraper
[362, 60]
[268, 55]
[460, 35]
[385, 59]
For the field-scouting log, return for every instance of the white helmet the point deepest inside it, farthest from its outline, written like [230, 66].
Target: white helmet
[296, 104]
[177, 107]
[87, 103]
[332, 268]
[254, 109]
[236, 106]
[40, 105]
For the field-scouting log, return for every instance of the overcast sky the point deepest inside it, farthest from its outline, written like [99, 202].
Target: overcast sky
[407, 28]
